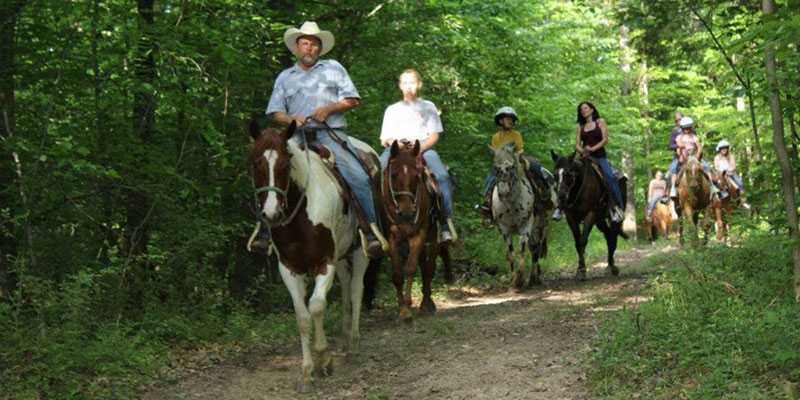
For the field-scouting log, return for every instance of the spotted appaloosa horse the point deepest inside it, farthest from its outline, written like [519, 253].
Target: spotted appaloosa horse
[408, 205]
[583, 196]
[516, 213]
[694, 196]
[302, 204]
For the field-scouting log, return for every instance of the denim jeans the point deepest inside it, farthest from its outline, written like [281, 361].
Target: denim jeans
[652, 204]
[673, 168]
[613, 185]
[436, 166]
[349, 167]
[738, 181]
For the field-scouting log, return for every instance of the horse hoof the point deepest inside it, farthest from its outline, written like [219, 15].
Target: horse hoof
[324, 371]
[580, 276]
[406, 316]
[305, 386]
[427, 306]
[614, 270]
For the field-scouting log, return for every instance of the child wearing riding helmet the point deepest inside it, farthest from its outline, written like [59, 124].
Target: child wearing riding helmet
[724, 161]
[690, 145]
[506, 118]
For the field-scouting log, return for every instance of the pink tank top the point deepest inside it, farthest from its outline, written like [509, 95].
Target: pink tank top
[688, 144]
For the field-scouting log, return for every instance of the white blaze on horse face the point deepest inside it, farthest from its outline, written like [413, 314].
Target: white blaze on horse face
[270, 206]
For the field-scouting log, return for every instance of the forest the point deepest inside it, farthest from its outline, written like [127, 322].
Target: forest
[126, 200]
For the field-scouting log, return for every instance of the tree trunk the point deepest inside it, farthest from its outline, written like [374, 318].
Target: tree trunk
[644, 99]
[628, 166]
[9, 13]
[780, 150]
[139, 206]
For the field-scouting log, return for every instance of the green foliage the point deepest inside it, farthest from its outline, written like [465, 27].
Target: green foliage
[721, 323]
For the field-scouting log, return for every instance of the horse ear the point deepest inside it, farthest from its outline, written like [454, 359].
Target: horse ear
[553, 155]
[289, 131]
[415, 149]
[255, 130]
[394, 150]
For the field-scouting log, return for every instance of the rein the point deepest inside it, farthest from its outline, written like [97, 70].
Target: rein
[284, 192]
[394, 195]
[580, 189]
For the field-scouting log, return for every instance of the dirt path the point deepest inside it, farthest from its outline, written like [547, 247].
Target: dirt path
[528, 345]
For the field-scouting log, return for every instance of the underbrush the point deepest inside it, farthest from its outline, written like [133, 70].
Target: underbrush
[722, 323]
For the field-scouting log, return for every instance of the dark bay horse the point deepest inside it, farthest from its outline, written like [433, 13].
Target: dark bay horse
[408, 205]
[584, 198]
[314, 236]
[517, 212]
[694, 195]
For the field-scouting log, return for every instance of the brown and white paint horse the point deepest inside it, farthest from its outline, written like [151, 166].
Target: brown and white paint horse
[302, 204]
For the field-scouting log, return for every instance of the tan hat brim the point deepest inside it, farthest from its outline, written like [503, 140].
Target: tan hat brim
[291, 35]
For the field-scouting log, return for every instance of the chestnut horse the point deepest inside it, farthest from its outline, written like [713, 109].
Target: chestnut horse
[724, 207]
[661, 221]
[408, 205]
[694, 195]
[314, 235]
[517, 212]
[584, 198]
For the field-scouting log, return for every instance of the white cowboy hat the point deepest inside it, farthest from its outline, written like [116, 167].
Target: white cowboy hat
[309, 28]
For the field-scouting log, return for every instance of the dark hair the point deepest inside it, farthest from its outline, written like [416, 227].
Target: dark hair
[595, 114]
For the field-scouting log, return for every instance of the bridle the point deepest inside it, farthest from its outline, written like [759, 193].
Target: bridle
[572, 186]
[395, 194]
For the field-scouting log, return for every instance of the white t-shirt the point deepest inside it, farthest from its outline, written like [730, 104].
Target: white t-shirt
[411, 121]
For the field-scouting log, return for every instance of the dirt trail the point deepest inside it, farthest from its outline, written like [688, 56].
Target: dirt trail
[529, 345]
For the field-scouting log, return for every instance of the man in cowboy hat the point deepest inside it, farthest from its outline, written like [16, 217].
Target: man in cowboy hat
[315, 94]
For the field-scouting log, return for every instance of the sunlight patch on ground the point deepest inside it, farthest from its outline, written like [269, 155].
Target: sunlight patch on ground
[573, 298]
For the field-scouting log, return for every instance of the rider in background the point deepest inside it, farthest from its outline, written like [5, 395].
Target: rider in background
[673, 145]
[590, 140]
[690, 145]
[412, 119]
[507, 118]
[655, 191]
[724, 161]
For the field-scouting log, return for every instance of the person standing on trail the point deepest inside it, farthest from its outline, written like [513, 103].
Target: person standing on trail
[415, 118]
[315, 94]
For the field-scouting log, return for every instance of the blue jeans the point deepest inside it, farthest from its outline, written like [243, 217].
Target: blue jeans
[349, 167]
[652, 204]
[738, 181]
[436, 166]
[673, 168]
[613, 185]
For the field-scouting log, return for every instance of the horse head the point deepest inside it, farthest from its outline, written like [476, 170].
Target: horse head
[507, 170]
[694, 174]
[403, 181]
[271, 160]
[567, 173]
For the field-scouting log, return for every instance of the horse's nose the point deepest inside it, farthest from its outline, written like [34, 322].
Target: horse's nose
[272, 219]
[406, 215]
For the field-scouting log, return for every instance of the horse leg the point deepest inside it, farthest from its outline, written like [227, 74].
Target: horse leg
[360, 265]
[444, 253]
[415, 247]
[518, 279]
[718, 226]
[345, 279]
[536, 248]
[428, 270]
[323, 361]
[397, 278]
[610, 233]
[296, 284]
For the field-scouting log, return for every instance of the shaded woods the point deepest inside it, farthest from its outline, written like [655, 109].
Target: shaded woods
[125, 199]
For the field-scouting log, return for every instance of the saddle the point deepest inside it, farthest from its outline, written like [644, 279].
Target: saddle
[432, 186]
[664, 199]
[371, 165]
[540, 186]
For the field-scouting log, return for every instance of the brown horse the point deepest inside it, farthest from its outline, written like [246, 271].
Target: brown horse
[584, 198]
[694, 195]
[408, 205]
[660, 222]
[724, 207]
[314, 234]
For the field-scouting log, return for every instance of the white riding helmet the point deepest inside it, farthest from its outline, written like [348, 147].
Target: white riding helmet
[722, 144]
[686, 122]
[505, 112]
